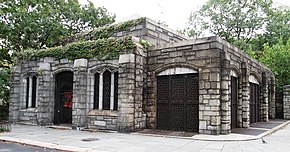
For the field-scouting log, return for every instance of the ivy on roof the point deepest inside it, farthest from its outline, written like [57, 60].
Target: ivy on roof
[103, 32]
[103, 49]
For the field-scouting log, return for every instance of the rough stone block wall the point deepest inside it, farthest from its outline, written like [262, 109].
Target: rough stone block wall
[225, 96]
[153, 32]
[99, 119]
[103, 120]
[214, 59]
[245, 67]
[131, 116]
[126, 94]
[264, 98]
[201, 54]
[14, 105]
[79, 112]
[45, 91]
[272, 100]
[18, 92]
[140, 116]
[286, 101]
[28, 116]
[245, 96]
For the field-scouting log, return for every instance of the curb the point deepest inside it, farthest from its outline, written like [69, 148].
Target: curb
[45, 145]
[211, 137]
[271, 131]
[79, 149]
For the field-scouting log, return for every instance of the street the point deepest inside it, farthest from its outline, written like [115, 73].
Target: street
[13, 147]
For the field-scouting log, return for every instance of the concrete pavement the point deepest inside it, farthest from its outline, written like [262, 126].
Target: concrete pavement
[10, 147]
[73, 140]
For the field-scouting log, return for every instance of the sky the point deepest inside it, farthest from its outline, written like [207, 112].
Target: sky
[174, 13]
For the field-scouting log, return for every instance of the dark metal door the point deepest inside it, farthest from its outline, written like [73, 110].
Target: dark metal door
[254, 103]
[64, 94]
[177, 102]
[234, 101]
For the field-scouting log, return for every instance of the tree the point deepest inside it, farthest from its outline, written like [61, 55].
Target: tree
[39, 24]
[236, 21]
[277, 57]
[4, 86]
[277, 27]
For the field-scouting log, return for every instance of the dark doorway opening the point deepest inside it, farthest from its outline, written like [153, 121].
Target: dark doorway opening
[63, 98]
[178, 102]
[254, 103]
[234, 102]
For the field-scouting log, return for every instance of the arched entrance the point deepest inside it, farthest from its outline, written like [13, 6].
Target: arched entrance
[178, 100]
[234, 99]
[63, 98]
[254, 100]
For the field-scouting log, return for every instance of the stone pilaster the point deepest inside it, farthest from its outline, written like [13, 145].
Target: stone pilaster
[209, 102]
[79, 114]
[225, 102]
[286, 101]
[245, 96]
[45, 91]
[14, 104]
[272, 100]
[126, 96]
[131, 116]
[264, 98]
[140, 116]
[240, 102]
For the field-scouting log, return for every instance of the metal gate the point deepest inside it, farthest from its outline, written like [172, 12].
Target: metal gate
[63, 96]
[254, 103]
[234, 100]
[177, 102]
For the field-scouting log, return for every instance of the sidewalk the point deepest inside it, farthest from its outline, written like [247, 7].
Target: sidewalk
[255, 131]
[81, 141]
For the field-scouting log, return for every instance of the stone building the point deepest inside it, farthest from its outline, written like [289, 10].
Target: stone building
[198, 85]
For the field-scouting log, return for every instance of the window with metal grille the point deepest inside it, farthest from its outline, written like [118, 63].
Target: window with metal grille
[116, 75]
[31, 92]
[96, 91]
[27, 92]
[106, 90]
[33, 98]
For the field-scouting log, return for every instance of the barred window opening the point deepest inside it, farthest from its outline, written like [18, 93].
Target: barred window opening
[31, 92]
[116, 75]
[106, 91]
[27, 92]
[96, 91]
[34, 83]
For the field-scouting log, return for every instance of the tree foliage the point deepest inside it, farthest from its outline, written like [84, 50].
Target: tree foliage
[236, 21]
[38, 24]
[4, 86]
[41, 23]
[277, 57]
[255, 26]
[277, 27]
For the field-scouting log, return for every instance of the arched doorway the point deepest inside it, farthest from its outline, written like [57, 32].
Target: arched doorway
[234, 99]
[254, 100]
[178, 100]
[63, 98]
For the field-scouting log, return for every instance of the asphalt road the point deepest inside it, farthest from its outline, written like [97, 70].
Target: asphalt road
[13, 147]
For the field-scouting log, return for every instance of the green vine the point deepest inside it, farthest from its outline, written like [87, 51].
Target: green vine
[145, 43]
[103, 32]
[102, 49]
